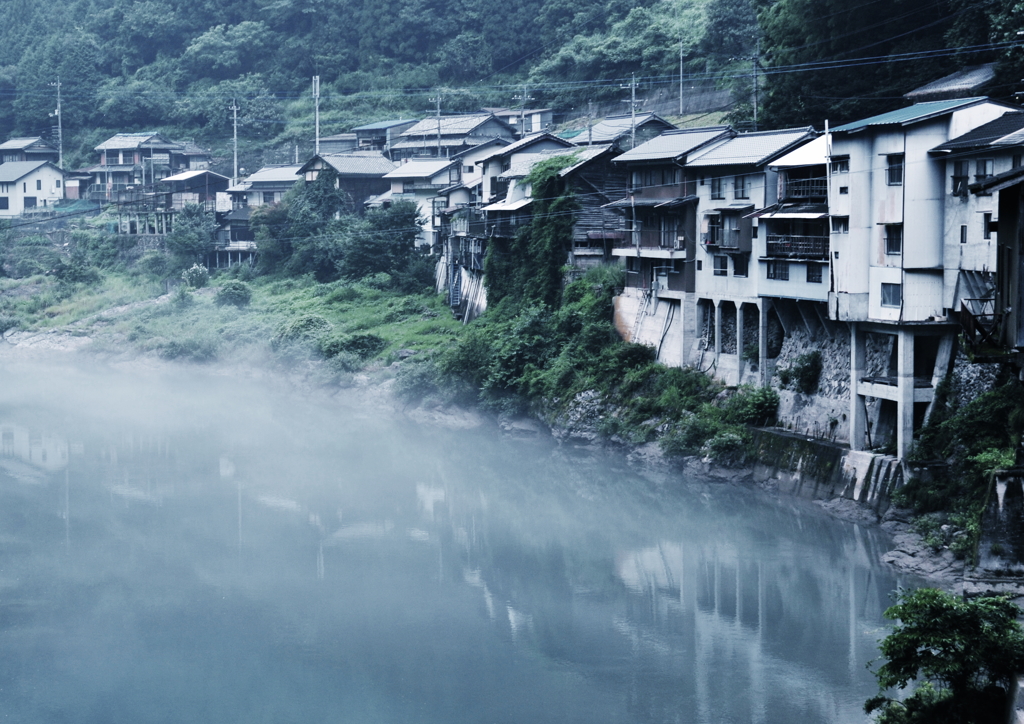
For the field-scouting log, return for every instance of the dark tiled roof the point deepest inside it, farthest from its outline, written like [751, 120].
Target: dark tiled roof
[1005, 130]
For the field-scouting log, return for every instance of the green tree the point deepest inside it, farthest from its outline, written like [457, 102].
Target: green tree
[192, 234]
[385, 242]
[965, 653]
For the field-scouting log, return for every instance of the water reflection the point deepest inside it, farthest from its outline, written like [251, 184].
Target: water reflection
[223, 552]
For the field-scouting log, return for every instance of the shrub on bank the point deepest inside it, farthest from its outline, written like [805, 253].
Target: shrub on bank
[235, 293]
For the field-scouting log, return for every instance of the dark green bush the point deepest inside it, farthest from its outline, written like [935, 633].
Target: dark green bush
[307, 328]
[194, 349]
[752, 406]
[804, 373]
[235, 293]
[362, 346]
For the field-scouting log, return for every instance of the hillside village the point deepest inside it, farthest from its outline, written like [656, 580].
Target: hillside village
[880, 242]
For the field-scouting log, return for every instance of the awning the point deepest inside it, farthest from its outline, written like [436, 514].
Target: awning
[508, 205]
[678, 201]
[627, 203]
[806, 211]
[733, 209]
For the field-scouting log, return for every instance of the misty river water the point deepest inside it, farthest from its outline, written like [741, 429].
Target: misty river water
[182, 546]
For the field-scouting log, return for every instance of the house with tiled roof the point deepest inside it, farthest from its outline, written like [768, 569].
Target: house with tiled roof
[131, 161]
[625, 131]
[33, 148]
[446, 136]
[360, 174]
[380, 135]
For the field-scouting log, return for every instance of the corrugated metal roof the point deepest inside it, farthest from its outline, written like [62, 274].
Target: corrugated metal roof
[812, 153]
[274, 174]
[964, 82]
[359, 163]
[186, 175]
[383, 125]
[912, 114]
[525, 163]
[615, 127]
[135, 140]
[751, 149]
[533, 138]
[673, 144]
[14, 170]
[22, 143]
[450, 125]
[1003, 131]
[431, 141]
[419, 168]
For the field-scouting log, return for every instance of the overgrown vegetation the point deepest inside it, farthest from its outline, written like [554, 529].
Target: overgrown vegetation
[963, 654]
[803, 374]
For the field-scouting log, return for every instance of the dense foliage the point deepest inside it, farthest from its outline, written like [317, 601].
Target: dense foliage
[965, 654]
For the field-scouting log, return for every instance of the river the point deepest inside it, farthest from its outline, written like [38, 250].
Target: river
[183, 546]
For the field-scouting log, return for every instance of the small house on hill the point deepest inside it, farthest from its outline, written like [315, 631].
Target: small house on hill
[28, 149]
[360, 174]
[26, 186]
[447, 136]
[381, 135]
[625, 131]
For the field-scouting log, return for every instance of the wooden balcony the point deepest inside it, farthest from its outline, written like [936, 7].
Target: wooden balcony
[806, 188]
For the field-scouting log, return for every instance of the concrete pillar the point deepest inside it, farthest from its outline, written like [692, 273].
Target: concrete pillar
[905, 393]
[858, 412]
[718, 328]
[763, 307]
[739, 334]
[689, 319]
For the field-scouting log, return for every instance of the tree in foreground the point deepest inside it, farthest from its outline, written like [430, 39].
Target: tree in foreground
[965, 655]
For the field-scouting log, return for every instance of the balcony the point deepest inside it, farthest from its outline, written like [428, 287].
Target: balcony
[649, 239]
[806, 188]
[788, 246]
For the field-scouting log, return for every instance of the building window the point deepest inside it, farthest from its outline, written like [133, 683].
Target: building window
[268, 197]
[742, 191]
[467, 169]
[739, 266]
[844, 190]
[840, 224]
[1016, 160]
[721, 265]
[959, 178]
[814, 273]
[778, 270]
[963, 233]
[5, 203]
[983, 168]
[894, 169]
[700, 265]
[58, 183]
[716, 188]
[39, 184]
[841, 164]
[894, 238]
[30, 202]
[986, 226]
[892, 295]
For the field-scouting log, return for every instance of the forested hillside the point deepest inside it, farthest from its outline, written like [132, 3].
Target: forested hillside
[177, 66]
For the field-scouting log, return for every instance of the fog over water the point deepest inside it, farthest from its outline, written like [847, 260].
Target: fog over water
[179, 546]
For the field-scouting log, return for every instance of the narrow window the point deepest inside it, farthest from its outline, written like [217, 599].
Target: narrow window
[959, 178]
[700, 265]
[983, 167]
[739, 266]
[721, 265]
[741, 190]
[840, 224]
[39, 184]
[894, 169]
[892, 295]
[1016, 160]
[716, 188]
[814, 273]
[841, 164]
[894, 238]
[963, 233]
[986, 226]
[58, 183]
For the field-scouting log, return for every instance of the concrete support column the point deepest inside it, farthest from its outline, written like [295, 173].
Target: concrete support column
[763, 307]
[718, 328]
[905, 393]
[739, 335]
[689, 321]
[858, 363]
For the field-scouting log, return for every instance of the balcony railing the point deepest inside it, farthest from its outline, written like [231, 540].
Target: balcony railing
[799, 247]
[805, 188]
[649, 239]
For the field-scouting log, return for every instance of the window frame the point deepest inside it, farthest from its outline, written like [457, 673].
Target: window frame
[814, 270]
[893, 239]
[894, 169]
[720, 264]
[717, 190]
[891, 288]
[778, 269]
[740, 267]
[741, 187]
[840, 225]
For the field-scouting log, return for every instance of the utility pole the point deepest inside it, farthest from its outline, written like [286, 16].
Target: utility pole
[632, 109]
[753, 63]
[523, 99]
[234, 123]
[680, 76]
[437, 99]
[590, 123]
[60, 128]
[316, 113]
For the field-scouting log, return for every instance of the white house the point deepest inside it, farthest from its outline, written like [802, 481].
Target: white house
[27, 186]
[888, 195]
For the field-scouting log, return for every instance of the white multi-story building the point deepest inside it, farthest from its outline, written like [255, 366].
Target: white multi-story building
[888, 200]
